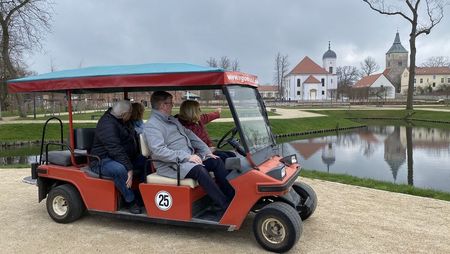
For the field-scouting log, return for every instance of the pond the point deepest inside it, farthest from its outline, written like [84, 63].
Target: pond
[404, 155]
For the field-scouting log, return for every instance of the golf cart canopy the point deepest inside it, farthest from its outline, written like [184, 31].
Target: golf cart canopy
[129, 78]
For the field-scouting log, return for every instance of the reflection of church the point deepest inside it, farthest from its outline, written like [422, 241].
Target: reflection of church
[394, 151]
[308, 149]
[328, 155]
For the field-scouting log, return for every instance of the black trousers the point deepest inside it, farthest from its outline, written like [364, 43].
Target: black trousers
[221, 193]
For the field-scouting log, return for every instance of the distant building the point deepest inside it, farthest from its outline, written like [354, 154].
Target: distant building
[268, 92]
[427, 78]
[190, 96]
[396, 62]
[375, 86]
[310, 81]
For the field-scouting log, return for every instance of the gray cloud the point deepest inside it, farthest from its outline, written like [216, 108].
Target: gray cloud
[117, 32]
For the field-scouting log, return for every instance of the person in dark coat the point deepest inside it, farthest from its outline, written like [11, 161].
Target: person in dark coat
[116, 145]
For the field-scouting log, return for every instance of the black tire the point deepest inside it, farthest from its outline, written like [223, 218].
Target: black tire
[277, 227]
[64, 204]
[305, 191]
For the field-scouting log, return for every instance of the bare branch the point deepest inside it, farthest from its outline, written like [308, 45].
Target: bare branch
[383, 10]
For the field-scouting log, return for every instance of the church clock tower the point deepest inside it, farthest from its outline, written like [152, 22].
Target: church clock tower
[396, 62]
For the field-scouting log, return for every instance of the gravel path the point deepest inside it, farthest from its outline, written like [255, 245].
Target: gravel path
[348, 219]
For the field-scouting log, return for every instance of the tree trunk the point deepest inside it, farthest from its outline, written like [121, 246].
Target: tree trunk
[412, 71]
[10, 71]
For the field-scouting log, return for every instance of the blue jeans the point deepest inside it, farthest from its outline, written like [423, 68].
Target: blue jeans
[119, 173]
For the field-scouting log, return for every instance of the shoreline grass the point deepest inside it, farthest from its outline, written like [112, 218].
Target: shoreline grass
[374, 184]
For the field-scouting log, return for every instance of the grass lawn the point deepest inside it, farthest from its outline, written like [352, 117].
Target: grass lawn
[351, 180]
[416, 114]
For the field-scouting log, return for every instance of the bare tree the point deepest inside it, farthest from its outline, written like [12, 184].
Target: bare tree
[281, 70]
[235, 65]
[422, 17]
[23, 23]
[369, 66]
[347, 76]
[437, 61]
[225, 63]
[212, 62]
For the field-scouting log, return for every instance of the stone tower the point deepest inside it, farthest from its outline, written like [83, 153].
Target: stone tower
[396, 62]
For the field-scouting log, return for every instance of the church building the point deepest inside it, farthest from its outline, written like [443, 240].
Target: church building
[310, 81]
[396, 63]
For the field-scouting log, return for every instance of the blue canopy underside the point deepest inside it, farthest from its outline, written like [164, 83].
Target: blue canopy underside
[140, 69]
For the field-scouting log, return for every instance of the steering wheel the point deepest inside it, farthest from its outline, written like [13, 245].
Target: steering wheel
[229, 138]
[225, 139]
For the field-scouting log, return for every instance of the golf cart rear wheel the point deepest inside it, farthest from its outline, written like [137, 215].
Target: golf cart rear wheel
[64, 204]
[305, 191]
[277, 227]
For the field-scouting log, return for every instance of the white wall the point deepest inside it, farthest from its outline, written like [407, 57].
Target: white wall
[382, 81]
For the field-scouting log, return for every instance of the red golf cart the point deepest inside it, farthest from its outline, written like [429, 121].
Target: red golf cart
[264, 174]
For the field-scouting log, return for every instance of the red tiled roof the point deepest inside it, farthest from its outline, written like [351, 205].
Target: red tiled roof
[367, 81]
[267, 88]
[432, 70]
[308, 66]
[311, 79]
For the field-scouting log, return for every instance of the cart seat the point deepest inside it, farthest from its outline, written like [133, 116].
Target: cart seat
[158, 179]
[83, 137]
[91, 173]
[62, 158]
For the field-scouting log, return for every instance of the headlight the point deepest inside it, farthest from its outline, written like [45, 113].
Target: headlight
[289, 160]
[278, 173]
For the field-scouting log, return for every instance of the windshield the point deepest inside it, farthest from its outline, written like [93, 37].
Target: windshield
[251, 117]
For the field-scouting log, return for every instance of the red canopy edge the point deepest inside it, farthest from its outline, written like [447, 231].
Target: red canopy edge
[202, 79]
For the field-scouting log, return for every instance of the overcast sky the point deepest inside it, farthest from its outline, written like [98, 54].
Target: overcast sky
[104, 32]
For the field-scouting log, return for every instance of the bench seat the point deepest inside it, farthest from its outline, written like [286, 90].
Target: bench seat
[157, 179]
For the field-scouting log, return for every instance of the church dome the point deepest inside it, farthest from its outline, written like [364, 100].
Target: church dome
[330, 53]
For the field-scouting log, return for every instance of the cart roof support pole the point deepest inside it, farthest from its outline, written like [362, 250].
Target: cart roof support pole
[71, 134]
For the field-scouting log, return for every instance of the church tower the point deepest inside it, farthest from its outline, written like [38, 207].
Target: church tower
[329, 60]
[396, 62]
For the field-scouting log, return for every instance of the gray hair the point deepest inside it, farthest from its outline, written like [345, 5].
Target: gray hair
[120, 108]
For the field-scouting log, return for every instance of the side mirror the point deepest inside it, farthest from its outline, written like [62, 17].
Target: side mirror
[233, 163]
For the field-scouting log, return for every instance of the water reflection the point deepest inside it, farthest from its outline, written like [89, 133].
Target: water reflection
[19, 159]
[411, 155]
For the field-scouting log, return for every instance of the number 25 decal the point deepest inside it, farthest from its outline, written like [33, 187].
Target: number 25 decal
[163, 200]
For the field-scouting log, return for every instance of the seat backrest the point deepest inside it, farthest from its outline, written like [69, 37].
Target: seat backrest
[84, 138]
[144, 147]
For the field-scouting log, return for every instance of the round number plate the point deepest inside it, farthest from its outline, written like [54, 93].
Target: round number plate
[163, 200]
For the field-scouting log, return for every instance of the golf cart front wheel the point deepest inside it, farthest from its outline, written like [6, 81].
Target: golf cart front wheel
[277, 227]
[64, 204]
[309, 199]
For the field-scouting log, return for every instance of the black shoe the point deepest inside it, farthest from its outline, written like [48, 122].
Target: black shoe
[135, 209]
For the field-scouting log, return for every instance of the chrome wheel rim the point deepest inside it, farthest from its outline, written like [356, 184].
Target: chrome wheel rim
[59, 205]
[273, 231]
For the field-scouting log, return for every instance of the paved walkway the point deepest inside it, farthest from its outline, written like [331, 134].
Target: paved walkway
[348, 219]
